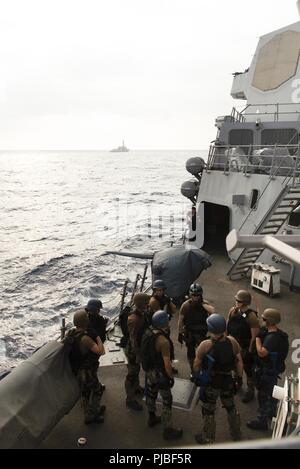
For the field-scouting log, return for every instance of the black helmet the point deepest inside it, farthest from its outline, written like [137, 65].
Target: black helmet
[160, 319]
[216, 324]
[80, 318]
[196, 289]
[94, 306]
[159, 284]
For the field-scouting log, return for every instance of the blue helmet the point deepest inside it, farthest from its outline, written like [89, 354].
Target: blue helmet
[94, 306]
[160, 319]
[216, 324]
[159, 284]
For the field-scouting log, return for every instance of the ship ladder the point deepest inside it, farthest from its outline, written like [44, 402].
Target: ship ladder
[286, 202]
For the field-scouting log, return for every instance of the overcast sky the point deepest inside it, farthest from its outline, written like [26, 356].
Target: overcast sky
[84, 74]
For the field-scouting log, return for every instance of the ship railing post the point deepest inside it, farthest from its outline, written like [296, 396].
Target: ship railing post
[135, 286]
[124, 292]
[248, 160]
[144, 277]
[226, 164]
[63, 329]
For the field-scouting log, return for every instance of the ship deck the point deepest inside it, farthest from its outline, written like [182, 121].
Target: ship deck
[126, 429]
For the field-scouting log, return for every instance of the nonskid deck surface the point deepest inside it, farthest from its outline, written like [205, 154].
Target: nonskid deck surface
[124, 428]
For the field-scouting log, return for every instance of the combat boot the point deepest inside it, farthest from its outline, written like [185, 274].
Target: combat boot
[133, 405]
[172, 433]
[139, 391]
[248, 396]
[201, 440]
[153, 420]
[258, 425]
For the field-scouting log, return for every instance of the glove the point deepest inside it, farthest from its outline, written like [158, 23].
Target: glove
[180, 338]
[238, 383]
[171, 382]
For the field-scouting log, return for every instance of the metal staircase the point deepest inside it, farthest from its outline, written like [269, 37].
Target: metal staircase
[282, 208]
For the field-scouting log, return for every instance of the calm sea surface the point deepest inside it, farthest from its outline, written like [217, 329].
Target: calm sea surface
[60, 212]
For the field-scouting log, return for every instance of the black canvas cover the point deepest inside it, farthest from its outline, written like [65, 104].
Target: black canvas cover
[35, 396]
[179, 267]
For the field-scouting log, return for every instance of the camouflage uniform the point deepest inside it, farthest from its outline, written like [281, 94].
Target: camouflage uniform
[91, 392]
[133, 370]
[136, 327]
[157, 382]
[226, 394]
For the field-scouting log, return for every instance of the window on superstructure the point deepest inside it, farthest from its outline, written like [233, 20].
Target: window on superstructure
[294, 219]
[279, 137]
[242, 138]
[254, 199]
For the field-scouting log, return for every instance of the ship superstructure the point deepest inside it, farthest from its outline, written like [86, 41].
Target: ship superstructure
[250, 181]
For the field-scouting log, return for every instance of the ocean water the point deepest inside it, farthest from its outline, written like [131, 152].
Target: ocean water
[60, 213]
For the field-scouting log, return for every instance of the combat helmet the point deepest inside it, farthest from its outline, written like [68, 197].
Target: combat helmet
[93, 305]
[196, 289]
[159, 284]
[244, 297]
[140, 300]
[80, 318]
[160, 319]
[272, 316]
[216, 324]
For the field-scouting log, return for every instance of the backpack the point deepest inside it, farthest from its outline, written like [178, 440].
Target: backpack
[124, 326]
[147, 351]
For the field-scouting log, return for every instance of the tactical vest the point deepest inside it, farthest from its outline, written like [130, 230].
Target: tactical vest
[143, 327]
[77, 359]
[195, 318]
[162, 301]
[223, 355]
[158, 359]
[238, 327]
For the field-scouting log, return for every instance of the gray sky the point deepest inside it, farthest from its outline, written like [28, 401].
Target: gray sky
[84, 74]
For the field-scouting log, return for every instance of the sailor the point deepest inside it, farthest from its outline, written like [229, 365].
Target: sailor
[160, 301]
[84, 358]
[97, 323]
[225, 355]
[243, 325]
[192, 327]
[160, 377]
[136, 324]
[272, 347]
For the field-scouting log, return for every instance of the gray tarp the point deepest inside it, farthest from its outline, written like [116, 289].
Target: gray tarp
[179, 267]
[35, 396]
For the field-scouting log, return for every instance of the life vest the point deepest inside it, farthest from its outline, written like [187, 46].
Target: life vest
[77, 359]
[238, 327]
[195, 318]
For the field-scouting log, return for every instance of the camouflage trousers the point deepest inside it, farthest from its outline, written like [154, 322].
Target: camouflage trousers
[267, 405]
[132, 381]
[226, 394]
[157, 383]
[91, 392]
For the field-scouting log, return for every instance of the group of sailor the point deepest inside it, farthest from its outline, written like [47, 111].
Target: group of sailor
[219, 351]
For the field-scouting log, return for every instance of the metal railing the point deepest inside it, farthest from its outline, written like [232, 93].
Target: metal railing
[278, 160]
[277, 111]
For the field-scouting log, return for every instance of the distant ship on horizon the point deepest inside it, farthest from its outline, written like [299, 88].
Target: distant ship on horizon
[120, 149]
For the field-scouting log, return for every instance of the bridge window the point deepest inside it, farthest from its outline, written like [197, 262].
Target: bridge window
[241, 137]
[279, 136]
